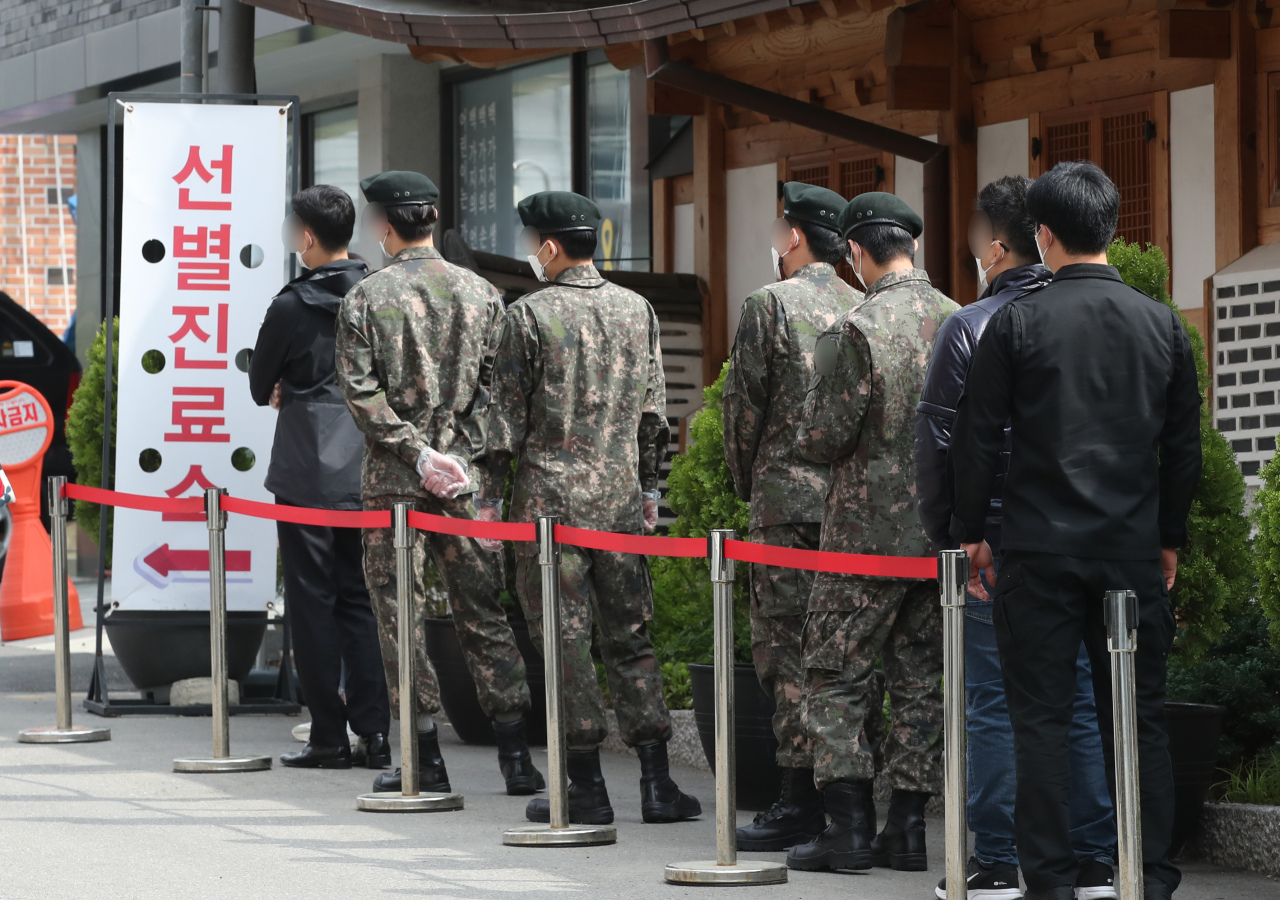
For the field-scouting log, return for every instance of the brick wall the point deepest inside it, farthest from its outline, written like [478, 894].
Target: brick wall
[31, 199]
[27, 25]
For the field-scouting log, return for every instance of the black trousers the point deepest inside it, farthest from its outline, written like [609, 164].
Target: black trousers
[1045, 605]
[331, 622]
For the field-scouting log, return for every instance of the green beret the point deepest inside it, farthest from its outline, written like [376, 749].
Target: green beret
[552, 211]
[879, 208]
[399, 189]
[812, 204]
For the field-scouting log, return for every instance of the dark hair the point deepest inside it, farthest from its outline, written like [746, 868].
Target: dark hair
[580, 243]
[328, 212]
[412, 222]
[885, 243]
[826, 245]
[1079, 203]
[1005, 203]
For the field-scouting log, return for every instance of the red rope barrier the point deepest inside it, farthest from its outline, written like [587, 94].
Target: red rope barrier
[838, 563]
[642, 544]
[303, 515]
[494, 531]
[186, 505]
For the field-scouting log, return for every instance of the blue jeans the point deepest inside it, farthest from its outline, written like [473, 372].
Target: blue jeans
[992, 778]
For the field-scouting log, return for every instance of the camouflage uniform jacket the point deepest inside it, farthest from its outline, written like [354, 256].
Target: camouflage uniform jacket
[859, 415]
[579, 398]
[769, 371]
[415, 349]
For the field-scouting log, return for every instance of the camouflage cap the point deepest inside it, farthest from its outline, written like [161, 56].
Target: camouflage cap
[552, 211]
[812, 204]
[399, 189]
[879, 208]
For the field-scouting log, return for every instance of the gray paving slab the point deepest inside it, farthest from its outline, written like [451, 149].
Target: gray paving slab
[116, 820]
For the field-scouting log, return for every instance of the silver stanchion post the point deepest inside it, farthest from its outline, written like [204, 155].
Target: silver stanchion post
[559, 833]
[408, 800]
[222, 760]
[726, 868]
[953, 580]
[64, 732]
[1122, 640]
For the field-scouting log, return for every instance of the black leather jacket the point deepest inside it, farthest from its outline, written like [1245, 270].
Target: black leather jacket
[943, 387]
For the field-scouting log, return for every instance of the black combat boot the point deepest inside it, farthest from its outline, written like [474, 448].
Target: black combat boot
[514, 759]
[846, 842]
[660, 799]
[588, 799]
[901, 845]
[432, 778]
[795, 818]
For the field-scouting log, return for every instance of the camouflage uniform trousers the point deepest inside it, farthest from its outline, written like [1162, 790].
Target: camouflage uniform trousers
[472, 578]
[611, 591]
[900, 622]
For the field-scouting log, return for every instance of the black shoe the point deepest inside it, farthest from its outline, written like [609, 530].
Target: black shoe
[1155, 889]
[1058, 893]
[846, 842]
[660, 799]
[1096, 881]
[374, 752]
[901, 845]
[999, 882]
[514, 760]
[315, 757]
[588, 799]
[432, 777]
[796, 817]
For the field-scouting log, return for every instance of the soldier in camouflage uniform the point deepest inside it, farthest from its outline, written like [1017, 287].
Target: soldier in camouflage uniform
[579, 399]
[859, 417]
[770, 367]
[415, 344]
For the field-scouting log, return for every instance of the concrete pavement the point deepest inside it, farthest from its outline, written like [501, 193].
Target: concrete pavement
[115, 821]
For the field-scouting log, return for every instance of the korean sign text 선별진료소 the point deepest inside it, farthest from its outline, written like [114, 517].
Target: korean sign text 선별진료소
[203, 191]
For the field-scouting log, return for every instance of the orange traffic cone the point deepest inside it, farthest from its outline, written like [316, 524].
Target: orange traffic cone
[26, 590]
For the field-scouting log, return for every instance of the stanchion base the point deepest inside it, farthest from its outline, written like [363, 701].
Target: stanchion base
[227, 764]
[52, 734]
[569, 836]
[744, 871]
[399, 803]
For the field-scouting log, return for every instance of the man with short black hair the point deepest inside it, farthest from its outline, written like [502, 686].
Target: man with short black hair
[315, 461]
[1099, 383]
[415, 345]
[770, 368]
[1002, 241]
[868, 373]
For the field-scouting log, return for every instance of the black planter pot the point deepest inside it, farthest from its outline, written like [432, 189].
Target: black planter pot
[759, 777]
[1194, 730]
[157, 648]
[458, 688]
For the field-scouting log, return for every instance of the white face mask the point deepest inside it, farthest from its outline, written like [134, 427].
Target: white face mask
[382, 245]
[982, 273]
[1038, 250]
[779, 257]
[857, 269]
[539, 271]
[298, 255]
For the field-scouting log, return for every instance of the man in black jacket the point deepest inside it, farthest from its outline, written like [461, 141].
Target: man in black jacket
[1002, 240]
[1100, 385]
[315, 461]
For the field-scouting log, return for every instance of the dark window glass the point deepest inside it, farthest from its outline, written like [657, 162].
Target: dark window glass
[1246, 289]
[1239, 401]
[1267, 445]
[1273, 421]
[1226, 334]
[1265, 309]
[1226, 292]
[1244, 445]
[1240, 309]
[1249, 377]
[1238, 356]
[1250, 468]
[1269, 286]
[1226, 379]
[1248, 332]
[1264, 398]
[1273, 328]
[1271, 374]
[1250, 422]
[1226, 424]
[1222, 403]
[1261, 353]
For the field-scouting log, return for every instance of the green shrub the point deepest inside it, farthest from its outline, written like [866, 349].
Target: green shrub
[700, 493]
[1215, 569]
[1255, 782]
[84, 430]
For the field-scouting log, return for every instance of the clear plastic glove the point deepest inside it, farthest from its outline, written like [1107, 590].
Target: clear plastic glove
[444, 476]
[489, 511]
[650, 506]
[6, 490]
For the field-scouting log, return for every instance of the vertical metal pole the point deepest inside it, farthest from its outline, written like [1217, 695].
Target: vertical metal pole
[1122, 641]
[236, 73]
[61, 614]
[953, 578]
[722, 575]
[403, 542]
[191, 29]
[558, 773]
[217, 522]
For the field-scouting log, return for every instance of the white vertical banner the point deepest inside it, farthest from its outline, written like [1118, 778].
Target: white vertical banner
[204, 190]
